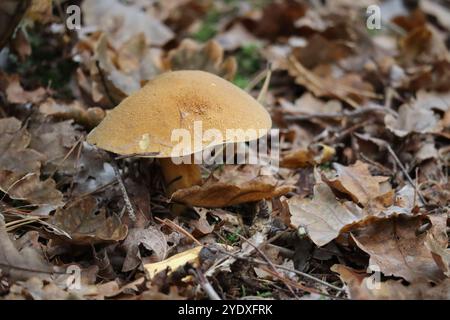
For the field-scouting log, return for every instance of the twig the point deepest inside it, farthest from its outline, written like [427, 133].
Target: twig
[405, 172]
[204, 283]
[257, 261]
[126, 198]
[141, 155]
[179, 229]
[353, 113]
[270, 263]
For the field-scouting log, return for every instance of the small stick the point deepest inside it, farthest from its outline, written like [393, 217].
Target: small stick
[133, 155]
[179, 229]
[257, 261]
[405, 172]
[204, 283]
[126, 198]
[353, 113]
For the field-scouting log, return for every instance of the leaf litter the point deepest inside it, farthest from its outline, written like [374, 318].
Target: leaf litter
[358, 209]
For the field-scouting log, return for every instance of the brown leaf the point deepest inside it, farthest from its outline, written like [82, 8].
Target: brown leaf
[413, 118]
[121, 22]
[14, 142]
[55, 140]
[30, 188]
[395, 247]
[323, 217]
[88, 117]
[86, 224]
[151, 238]
[357, 182]
[313, 155]
[362, 287]
[15, 93]
[20, 265]
[231, 186]
[191, 55]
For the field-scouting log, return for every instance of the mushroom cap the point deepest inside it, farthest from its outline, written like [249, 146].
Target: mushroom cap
[144, 122]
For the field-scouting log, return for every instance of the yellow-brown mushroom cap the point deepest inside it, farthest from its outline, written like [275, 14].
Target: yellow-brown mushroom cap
[144, 122]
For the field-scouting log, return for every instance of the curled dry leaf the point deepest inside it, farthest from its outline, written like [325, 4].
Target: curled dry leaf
[324, 217]
[231, 186]
[397, 249]
[361, 286]
[121, 22]
[14, 142]
[30, 188]
[314, 155]
[151, 238]
[413, 118]
[20, 264]
[20, 179]
[86, 224]
[357, 182]
[440, 253]
[191, 55]
[55, 140]
[87, 117]
[15, 93]
[349, 87]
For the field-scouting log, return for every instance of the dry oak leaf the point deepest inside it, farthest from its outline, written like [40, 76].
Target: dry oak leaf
[86, 224]
[209, 57]
[231, 186]
[357, 182]
[121, 22]
[413, 119]
[15, 93]
[20, 264]
[324, 217]
[14, 142]
[395, 246]
[440, 253]
[361, 286]
[151, 238]
[87, 117]
[55, 141]
[30, 188]
[313, 155]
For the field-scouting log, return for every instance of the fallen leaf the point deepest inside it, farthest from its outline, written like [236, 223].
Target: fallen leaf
[86, 224]
[15, 93]
[121, 22]
[314, 155]
[14, 142]
[362, 287]
[20, 265]
[88, 117]
[190, 55]
[397, 250]
[323, 217]
[233, 185]
[30, 188]
[357, 182]
[412, 118]
[151, 238]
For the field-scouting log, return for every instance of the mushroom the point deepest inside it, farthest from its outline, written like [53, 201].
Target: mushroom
[143, 123]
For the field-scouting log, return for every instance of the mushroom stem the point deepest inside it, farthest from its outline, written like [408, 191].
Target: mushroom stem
[179, 176]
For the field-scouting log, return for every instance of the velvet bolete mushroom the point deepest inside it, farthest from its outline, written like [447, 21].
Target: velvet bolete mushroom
[143, 123]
